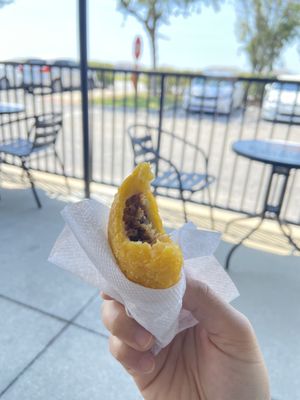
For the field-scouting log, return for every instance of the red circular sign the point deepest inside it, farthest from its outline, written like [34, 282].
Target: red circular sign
[137, 47]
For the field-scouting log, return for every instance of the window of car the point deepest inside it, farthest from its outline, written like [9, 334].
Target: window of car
[289, 87]
[212, 82]
[65, 63]
[35, 61]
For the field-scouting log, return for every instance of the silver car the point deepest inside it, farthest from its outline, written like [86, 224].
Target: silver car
[281, 100]
[213, 95]
[10, 76]
[57, 76]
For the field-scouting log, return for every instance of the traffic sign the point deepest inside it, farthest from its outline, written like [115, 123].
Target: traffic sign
[137, 50]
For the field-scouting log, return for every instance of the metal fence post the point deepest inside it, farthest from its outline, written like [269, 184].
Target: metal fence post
[161, 110]
[82, 10]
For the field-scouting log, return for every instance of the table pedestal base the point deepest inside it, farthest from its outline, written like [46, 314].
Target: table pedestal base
[281, 225]
[269, 208]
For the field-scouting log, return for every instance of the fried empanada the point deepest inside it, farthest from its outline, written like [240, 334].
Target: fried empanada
[143, 251]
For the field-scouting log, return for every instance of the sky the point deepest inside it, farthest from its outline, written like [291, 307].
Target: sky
[48, 29]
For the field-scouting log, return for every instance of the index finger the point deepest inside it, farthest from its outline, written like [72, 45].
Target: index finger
[125, 328]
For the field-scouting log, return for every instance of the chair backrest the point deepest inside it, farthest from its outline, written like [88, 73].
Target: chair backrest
[142, 143]
[46, 128]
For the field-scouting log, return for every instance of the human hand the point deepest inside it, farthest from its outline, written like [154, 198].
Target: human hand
[218, 359]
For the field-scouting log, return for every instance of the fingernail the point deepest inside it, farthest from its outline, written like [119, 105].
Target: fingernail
[146, 364]
[143, 338]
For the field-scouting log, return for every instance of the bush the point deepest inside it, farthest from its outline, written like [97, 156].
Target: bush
[105, 78]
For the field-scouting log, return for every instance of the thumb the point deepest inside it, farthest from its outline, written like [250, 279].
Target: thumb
[215, 315]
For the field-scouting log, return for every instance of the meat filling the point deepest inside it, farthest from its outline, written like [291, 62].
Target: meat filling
[138, 226]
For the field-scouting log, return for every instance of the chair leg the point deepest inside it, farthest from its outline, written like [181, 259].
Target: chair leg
[63, 170]
[36, 197]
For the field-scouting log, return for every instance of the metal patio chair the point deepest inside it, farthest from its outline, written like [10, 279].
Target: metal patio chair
[41, 138]
[168, 175]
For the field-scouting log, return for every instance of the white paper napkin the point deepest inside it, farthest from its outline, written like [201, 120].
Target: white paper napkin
[83, 249]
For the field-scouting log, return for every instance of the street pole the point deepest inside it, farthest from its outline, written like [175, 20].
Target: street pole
[82, 11]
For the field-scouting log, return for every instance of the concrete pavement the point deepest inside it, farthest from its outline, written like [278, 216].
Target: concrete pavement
[53, 344]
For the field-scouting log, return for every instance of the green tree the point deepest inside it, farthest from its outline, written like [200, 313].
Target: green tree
[154, 13]
[265, 28]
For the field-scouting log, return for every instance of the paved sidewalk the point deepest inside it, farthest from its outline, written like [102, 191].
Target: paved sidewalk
[53, 344]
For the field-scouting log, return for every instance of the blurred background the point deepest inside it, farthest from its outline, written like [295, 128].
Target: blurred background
[207, 91]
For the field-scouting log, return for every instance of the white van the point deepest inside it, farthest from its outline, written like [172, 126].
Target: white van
[281, 100]
[210, 93]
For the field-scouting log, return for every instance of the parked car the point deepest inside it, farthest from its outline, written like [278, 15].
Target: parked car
[33, 72]
[211, 94]
[55, 76]
[10, 76]
[281, 100]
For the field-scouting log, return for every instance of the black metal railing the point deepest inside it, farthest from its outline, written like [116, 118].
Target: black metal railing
[207, 111]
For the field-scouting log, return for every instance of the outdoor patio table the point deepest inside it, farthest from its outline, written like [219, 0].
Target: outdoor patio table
[283, 156]
[11, 108]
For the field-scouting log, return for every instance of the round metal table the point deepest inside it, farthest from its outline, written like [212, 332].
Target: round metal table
[274, 152]
[283, 156]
